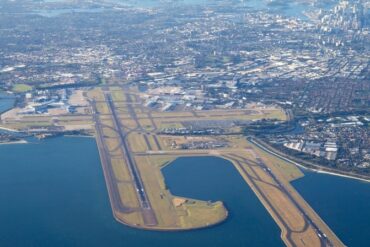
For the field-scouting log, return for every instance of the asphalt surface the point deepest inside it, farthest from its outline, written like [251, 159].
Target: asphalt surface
[323, 238]
[145, 206]
[324, 242]
[130, 162]
[110, 179]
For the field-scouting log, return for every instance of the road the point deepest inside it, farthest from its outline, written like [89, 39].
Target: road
[311, 167]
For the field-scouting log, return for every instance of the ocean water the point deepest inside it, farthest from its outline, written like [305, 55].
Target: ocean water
[52, 193]
[290, 8]
[6, 102]
[344, 204]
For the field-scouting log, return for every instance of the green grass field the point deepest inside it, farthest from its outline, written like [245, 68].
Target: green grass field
[21, 88]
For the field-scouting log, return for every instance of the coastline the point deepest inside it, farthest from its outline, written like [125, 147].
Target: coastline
[341, 175]
[317, 169]
[80, 136]
[14, 142]
[8, 129]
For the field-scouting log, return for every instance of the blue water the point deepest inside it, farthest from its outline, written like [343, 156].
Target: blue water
[6, 102]
[290, 8]
[344, 204]
[160, 3]
[211, 178]
[131, 3]
[57, 12]
[52, 193]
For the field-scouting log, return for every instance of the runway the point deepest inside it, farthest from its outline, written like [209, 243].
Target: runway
[256, 182]
[145, 207]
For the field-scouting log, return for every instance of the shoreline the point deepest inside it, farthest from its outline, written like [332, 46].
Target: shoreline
[80, 136]
[14, 142]
[341, 175]
[273, 207]
[317, 170]
[8, 129]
